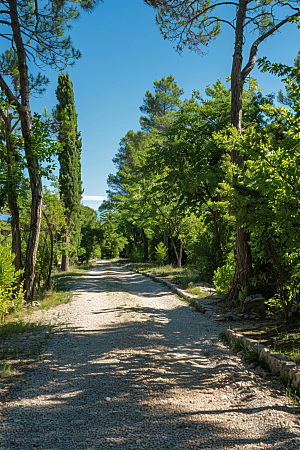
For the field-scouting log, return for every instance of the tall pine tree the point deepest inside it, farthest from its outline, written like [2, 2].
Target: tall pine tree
[70, 184]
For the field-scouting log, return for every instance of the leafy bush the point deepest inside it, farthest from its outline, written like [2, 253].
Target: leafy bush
[136, 255]
[223, 278]
[11, 292]
[161, 253]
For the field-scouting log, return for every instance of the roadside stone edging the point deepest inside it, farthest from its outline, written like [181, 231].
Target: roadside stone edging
[279, 364]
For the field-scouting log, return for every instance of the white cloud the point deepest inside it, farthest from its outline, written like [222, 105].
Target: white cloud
[95, 198]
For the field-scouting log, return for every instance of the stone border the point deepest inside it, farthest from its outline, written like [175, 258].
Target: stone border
[279, 364]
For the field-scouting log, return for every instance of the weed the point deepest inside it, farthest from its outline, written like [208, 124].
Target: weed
[223, 337]
[293, 395]
[39, 348]
[6, 369]
[19, 327]
[237, 346]
[251, 356]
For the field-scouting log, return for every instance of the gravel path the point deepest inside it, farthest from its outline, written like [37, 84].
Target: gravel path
[137, 368]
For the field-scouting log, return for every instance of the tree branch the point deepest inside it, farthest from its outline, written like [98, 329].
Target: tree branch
[253, 52]
[9, 94]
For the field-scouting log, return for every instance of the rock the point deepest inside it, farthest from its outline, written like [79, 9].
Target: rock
[232, 316]
[261, 372]
[220, 318]
[35, 303]
[254, 304]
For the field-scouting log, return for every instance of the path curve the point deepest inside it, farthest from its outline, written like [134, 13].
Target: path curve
[140, 369]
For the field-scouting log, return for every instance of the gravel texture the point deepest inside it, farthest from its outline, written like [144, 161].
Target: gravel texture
[137, 368]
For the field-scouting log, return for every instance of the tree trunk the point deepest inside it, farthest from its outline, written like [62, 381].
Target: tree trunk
[166, 243]
[236, 71]
[12, 200]
[51, 250]
[65, 262]
[178, 255]
[145, 242]
[32, 163]
[217, 232]
[243, 270]
[15, 230]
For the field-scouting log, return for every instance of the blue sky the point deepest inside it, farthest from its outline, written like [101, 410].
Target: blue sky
[123, 53]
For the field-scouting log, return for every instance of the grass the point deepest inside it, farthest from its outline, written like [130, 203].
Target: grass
[9, 328]
[196, 291]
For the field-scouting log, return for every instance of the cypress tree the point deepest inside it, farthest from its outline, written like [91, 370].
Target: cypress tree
[70, 184]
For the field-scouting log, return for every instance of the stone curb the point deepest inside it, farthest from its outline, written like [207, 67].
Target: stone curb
[279, 364]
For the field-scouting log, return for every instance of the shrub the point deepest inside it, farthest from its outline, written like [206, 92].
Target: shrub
[223, 278]
[136, 255]
[161, 253]
[11, 291]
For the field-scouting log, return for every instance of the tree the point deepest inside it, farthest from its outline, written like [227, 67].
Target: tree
[37, 31]
[194, 23]
[90, 235]
[159, 107]
[70, 184]
[187, 161]
[13, 160]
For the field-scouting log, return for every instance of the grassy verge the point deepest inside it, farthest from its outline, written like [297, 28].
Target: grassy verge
[280, 340]
[186, 277]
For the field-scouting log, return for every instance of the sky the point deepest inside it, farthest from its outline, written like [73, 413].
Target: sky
[123, 53]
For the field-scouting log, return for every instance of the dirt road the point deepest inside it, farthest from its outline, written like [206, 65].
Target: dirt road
[137, 368]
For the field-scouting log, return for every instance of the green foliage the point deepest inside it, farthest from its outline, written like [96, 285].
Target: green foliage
[90, 235]
[53, 209]
[223, 278]
[160, 106]
[111, 239]
[161, 253]
[69, 157]
[11, 290]
[136, 255]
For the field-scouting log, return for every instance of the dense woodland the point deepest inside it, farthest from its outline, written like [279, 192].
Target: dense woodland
[209, 181]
